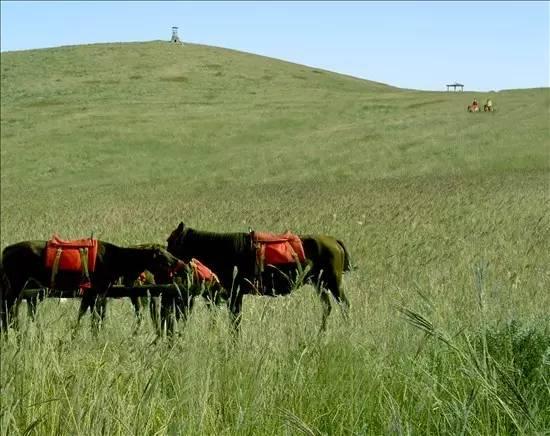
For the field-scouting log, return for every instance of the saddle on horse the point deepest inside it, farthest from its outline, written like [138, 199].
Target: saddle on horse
[203, 273]
[200, 271]
[273, 249]
[72, 256]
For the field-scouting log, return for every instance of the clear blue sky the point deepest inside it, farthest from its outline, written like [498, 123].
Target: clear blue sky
[419, 45]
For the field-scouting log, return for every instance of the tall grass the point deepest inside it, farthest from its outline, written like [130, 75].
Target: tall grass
[446, 214]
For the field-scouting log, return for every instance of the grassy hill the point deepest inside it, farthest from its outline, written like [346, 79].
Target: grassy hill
[215, 118]
[445, 212]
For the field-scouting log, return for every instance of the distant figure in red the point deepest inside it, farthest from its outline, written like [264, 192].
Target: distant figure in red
[474, 107]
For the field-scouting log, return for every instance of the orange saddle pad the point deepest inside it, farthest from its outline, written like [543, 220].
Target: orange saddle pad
[202, 272]
[278, 249]
[70, 258]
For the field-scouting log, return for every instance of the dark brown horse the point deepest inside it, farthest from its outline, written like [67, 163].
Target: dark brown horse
[23, 263]
[232, 256]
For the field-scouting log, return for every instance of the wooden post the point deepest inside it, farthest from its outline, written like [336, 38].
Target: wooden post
[116, 291]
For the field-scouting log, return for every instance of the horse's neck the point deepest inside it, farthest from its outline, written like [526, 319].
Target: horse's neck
[212, 236]
[208, 240]
[195, 243]
[212, 246]
[130, 259]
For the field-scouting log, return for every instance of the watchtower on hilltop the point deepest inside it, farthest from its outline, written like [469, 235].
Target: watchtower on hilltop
[175, 38]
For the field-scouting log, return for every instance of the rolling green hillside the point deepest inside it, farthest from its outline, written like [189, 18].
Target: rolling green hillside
[445, 213]
[208, 118]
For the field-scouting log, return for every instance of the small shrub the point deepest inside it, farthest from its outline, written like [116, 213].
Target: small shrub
[525, 348]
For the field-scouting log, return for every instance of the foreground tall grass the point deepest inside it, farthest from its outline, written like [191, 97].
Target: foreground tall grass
[279, 378]
[446, 214]
[447, 336]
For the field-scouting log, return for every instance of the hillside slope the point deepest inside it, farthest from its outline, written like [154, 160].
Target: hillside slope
[114, 123]
[153, 109]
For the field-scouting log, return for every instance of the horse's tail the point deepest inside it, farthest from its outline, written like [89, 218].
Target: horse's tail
[4, 282]
[347, 261]
[5, 290]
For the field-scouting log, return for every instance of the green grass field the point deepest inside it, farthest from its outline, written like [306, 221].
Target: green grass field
[445, 213]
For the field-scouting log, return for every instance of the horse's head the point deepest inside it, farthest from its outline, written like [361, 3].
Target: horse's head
[163, 264]
[176, 239]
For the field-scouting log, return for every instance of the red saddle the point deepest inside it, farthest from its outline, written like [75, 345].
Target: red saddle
[202, 272]
[63, 255]
[276, 249]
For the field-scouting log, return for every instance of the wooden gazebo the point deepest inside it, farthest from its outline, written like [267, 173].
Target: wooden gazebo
[455, 86]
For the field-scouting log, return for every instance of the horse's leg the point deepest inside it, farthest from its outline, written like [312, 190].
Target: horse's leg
[165, 306]
[8, 315]
[235, 307]
[10, 303]
[3, 315]
[13, 314]
[333, 283]
[32, 303]
[210, 305]
[212, 299]
[327, 307]
[154, 307]
[136, 303]
[180, 309]
[344, 304]
[4, 290]
[167, 314]
[338, 293]
[90, 301]
[87, 302]
[184, 306]
[99, 312]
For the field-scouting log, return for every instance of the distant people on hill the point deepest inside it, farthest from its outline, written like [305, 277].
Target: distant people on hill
[474, 107]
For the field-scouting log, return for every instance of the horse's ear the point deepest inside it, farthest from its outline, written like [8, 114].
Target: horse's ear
[181, 227]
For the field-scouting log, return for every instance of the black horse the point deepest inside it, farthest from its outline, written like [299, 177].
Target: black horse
[23, 263]
[233, 257]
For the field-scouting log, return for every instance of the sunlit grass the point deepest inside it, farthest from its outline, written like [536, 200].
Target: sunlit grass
[445, 213]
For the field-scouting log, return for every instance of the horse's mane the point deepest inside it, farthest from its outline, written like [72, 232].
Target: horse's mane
[191, 235]
[148, 246]
[217, 245]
